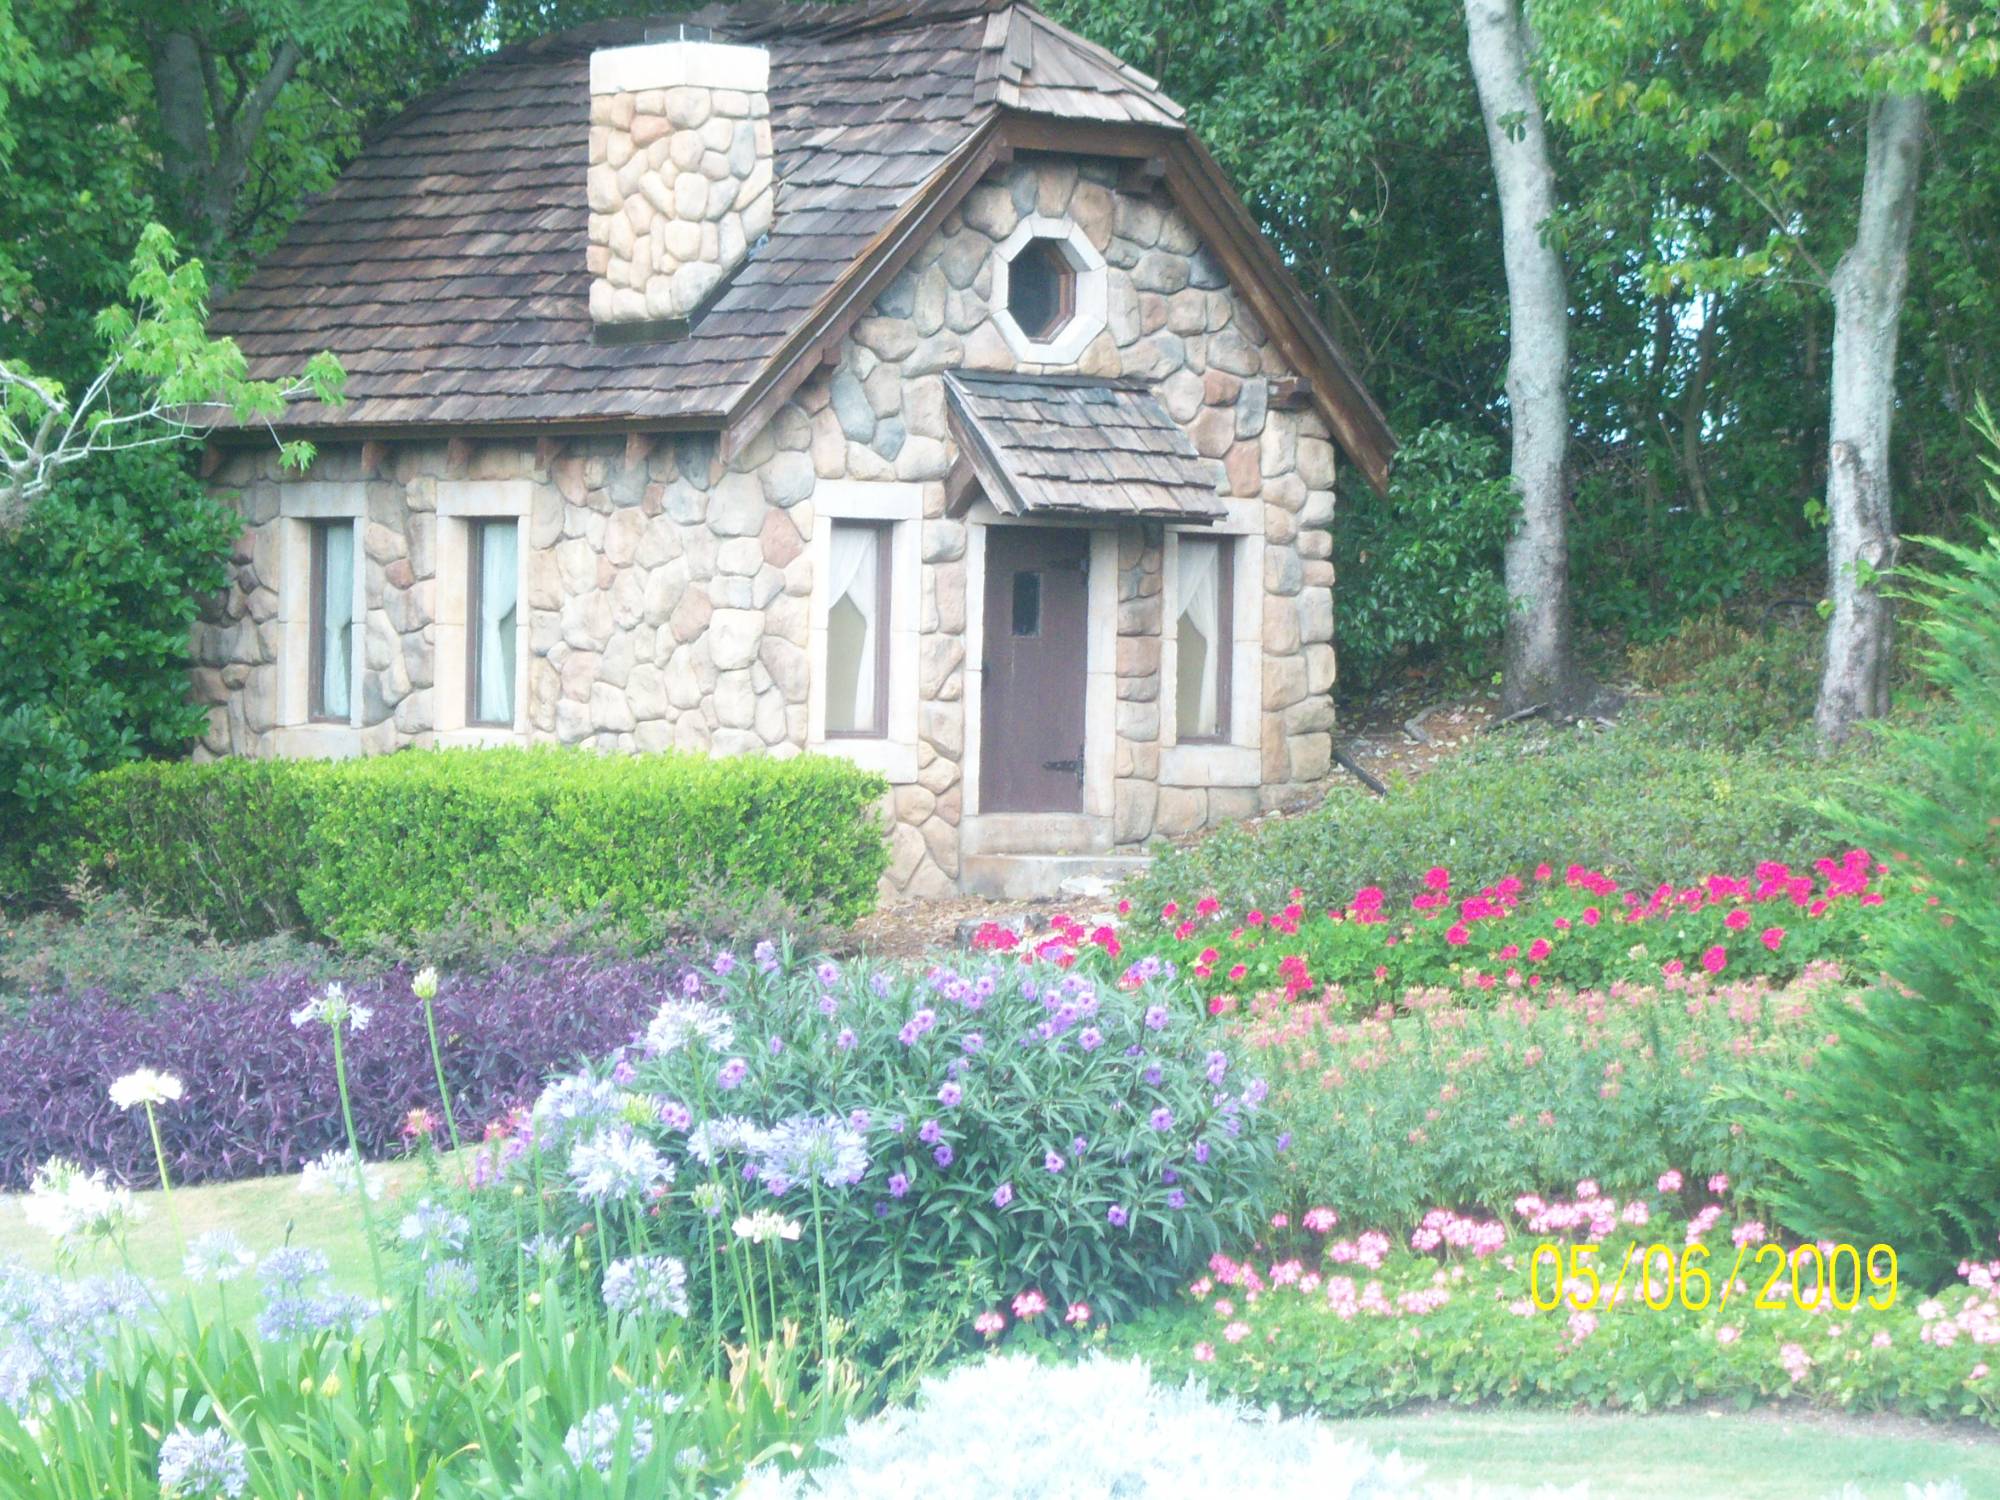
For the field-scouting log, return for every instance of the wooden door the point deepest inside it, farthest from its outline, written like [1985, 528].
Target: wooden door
[1031, 703]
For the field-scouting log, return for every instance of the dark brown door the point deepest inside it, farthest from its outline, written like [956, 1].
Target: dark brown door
[1031, 705]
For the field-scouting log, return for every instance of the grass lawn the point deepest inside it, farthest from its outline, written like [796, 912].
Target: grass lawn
[265, 1212]
[1771, 1455]
[1711, 1456]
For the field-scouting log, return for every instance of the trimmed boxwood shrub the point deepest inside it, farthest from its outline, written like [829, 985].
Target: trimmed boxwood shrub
[399, 844]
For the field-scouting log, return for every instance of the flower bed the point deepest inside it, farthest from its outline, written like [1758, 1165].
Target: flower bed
[1323, 1319]
[264, 1098]
[1579, 928]
[1455, 1098]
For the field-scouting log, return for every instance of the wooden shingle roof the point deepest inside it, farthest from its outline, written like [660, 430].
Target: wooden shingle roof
[446, 266]
[1071, 445]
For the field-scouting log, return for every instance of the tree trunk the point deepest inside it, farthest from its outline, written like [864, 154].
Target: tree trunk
[1538, 667]
[1868, 287]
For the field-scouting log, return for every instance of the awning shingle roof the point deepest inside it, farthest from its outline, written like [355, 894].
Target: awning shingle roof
[1068, 445]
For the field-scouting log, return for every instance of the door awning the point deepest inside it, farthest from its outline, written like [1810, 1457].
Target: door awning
[1071, 445]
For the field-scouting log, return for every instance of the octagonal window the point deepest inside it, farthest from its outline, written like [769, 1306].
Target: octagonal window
[1041, 288]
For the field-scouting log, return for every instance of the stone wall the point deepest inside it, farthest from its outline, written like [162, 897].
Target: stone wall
[667, 598]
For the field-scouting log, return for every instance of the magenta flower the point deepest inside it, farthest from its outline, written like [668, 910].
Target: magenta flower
[1003, 1195]
[1030, 1304]
[1052, 1162]
[898, 1184]
[732, 1073]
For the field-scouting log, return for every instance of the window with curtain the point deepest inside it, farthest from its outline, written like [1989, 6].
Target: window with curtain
[857, 629]
[492, 600]
[1203, 639]
[332, 670]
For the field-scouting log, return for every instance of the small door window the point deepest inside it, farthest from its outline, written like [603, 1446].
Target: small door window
[1027, 617]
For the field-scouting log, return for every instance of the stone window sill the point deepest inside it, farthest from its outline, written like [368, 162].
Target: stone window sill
[895, 761]
[1210, 765]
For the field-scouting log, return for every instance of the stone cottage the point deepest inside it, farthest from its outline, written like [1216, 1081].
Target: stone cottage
[901, 382]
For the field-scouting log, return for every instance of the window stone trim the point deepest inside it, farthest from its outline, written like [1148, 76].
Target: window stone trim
[1092, 295]
[460, 502]
[301, 506]
[894, 755]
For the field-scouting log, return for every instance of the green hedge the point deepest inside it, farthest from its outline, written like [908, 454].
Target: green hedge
[400, 844]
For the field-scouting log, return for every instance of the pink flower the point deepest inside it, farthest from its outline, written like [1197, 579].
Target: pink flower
[1030, 1304]
[1727, 1335]
[1236, 1333]
[1538, 950]
[1320, 1220]
[1205, 1353]
[1670, 1181]
[1772, 937]
[1457, 934]
[1882, 1339]
[1716, 959]
[1737, 920]
[1748, 1234]
[1581, 1326]
[989, 1323]
[1719, 1183]
[1078, 1314]
[1281, 1221]
[1437, 878]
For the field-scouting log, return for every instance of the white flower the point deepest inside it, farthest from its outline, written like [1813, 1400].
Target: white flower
[685, 1022]
[217, 1257]
[65, 1202]
[617, 1162]
[145, 1086]
[425, 985]
[333, 1008]
[765, 1224]
[336, 1172]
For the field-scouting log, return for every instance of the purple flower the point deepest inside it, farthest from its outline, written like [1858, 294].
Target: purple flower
[1052, 1162]
[732, 1074]
[972, 1041]
[1090, 1039]
[942, 1156]
[725, 964]
[1284, 1140]
[880, 985]
[1161, 1118]
[858, 1119]
[930, 1132]
[1116, 1215]
[766, 954]
[1003, 1195]
[691, 984]
[1218, 1064]
[1078, 1145]
[1156, 1017]
[950, 1095]
[623, 1072]
[1152, 1075]
[777, 1045]
[1201, 1152]
[898, 1184]
[1177, 1199]
[1169, 1175]
[845, 1041]
[675, 1115]
[1255, 1094]
[828, 1005]
[828, 972]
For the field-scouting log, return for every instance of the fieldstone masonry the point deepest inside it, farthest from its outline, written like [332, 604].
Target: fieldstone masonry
[680, 181]
[667, 596]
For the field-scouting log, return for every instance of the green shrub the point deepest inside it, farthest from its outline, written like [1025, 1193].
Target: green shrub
[1756, 688]
[401, 842]
[1895, 1131]
[372, 851]
[98, 591]
[1621, 801]
[226, 843]
[1420, 566]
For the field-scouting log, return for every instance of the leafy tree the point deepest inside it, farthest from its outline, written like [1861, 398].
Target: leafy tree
[1793, 87]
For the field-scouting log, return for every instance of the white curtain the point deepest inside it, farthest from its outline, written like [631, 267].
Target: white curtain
[850, 651]
[499, 580]
[336, 614]
[1201, 574]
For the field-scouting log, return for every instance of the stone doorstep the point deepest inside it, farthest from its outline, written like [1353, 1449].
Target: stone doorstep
[1034, 833]
[1034, 877]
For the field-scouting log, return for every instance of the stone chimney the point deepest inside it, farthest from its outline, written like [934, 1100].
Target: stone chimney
[680, 179]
